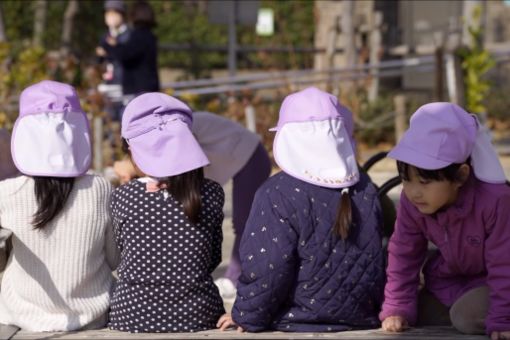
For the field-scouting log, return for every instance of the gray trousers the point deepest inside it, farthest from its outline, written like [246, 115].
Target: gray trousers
[467, 314]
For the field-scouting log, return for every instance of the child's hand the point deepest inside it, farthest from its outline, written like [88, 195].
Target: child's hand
[226, 321]
[394, 324]
[124, 170]
[500, 335]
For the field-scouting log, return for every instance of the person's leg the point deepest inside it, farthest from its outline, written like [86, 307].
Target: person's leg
[469, 311]
[246, 183]
[431, 312]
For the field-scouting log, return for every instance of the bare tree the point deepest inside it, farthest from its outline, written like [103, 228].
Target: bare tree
[3, 38]
[67, 29]
[39, 22]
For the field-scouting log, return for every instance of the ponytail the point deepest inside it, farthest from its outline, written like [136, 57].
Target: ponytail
[344, 215]
[185, 188]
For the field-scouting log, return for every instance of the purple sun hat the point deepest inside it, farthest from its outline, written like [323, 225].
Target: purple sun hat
[314, 140]
[313, 104]
[441, 134]
[51, 136]
[157, 128]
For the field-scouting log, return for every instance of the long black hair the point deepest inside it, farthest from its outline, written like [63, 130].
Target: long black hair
[51, 194]
[185, 188]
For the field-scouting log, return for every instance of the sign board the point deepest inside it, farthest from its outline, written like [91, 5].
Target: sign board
[265, 22]
[246, 11]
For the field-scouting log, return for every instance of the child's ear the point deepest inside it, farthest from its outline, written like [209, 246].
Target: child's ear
[463, 173]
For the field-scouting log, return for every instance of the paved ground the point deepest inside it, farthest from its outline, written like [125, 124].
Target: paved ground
[443, 333]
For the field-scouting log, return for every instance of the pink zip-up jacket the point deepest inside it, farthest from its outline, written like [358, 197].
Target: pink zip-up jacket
[473, 237]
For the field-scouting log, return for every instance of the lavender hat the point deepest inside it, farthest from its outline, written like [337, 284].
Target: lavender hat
[157, 128]
[313, 141]
[441, 134]
[296, 108]
[51, 135]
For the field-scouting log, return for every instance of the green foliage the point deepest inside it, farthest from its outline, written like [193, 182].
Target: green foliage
[294, 26]
[476, 62]
[498, 102]
[17, 72]
[376, 115]
[185, 22]
[179, 22]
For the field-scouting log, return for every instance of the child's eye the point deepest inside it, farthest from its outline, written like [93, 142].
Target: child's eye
[424, 181]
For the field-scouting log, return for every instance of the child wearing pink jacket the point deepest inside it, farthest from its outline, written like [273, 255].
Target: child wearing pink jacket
[454, 196]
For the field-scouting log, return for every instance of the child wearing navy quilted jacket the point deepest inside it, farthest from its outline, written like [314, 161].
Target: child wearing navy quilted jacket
[311, 253]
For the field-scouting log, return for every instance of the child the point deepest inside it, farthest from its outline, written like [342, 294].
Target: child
[235, 153]
[167, 224]
[454, 197]
[59, 274]
[311, 252]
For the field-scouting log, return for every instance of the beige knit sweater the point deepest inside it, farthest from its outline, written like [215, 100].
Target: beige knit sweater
[58, 278]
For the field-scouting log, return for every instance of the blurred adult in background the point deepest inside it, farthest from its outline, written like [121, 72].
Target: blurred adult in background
[138, 55]
[118, 31]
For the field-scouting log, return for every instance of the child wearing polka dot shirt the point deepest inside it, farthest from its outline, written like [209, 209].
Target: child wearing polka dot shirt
[167, 224]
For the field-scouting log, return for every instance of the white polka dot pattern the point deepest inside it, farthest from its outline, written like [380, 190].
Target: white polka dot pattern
[165, 282]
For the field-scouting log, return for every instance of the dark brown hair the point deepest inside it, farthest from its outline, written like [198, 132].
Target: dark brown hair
[51, 194]
[142, 15]
[449, 173]
[343, 219]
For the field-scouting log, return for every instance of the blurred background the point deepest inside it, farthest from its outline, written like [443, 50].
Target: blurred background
[383, 59]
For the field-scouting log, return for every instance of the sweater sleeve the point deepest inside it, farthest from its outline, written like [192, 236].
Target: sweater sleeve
[406, 252]
[498, 268]
[268, 261]
[111, 251]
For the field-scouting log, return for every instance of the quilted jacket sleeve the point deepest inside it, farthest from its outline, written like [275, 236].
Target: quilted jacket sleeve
[268, 260]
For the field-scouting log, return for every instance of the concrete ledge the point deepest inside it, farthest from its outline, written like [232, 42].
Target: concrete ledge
[427, 333]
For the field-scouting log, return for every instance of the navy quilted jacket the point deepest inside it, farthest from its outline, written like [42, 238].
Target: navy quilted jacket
[296, 274]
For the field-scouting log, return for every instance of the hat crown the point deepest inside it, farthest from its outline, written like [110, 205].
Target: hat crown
[149, 110]
[439, 134]
[313, 104]
[49, 96]
[445, 129]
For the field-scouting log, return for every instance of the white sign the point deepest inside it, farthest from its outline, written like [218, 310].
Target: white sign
[265, 22]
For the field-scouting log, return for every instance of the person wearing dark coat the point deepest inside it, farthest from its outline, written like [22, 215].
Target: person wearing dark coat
[138, 55]
[311, 253]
